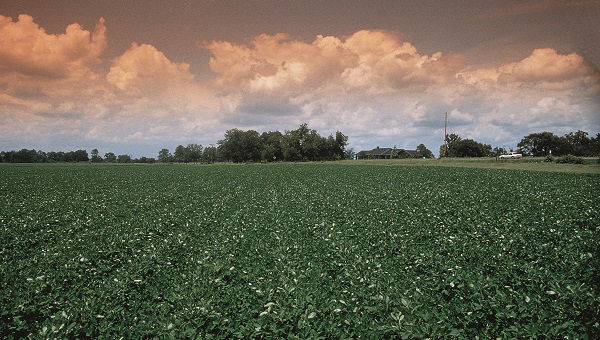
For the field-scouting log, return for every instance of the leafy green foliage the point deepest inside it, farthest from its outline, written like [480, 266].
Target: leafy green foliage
[424, 152]
[124, 159]
[297, 250]
[33, 156]
[95, 156]
[570, 159]
[110, 157]
[543, 143]
[164, 156]
[458, 147]
[302, 144]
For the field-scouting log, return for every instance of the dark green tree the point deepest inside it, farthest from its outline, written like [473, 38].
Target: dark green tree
[594, 146]
[271, 146]
[543, 144]
[450, 140]
[164, 156]
[578, 143]
[192, 153]
[240, 146]
[179, 155]
[341, 141]
[424, 152]
[123, 159]
[110, 157]
[96, 158]
[210, 154]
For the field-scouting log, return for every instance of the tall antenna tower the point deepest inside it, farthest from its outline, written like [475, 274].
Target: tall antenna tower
[445, 135]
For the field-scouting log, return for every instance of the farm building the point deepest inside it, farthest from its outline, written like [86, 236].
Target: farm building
[386, 153]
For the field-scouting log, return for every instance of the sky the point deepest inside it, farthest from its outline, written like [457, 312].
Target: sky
[137, 76]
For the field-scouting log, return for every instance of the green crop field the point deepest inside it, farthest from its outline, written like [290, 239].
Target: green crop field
[306, 250]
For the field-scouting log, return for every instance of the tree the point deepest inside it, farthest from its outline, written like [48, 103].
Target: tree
[305, 144]
[210, 154]
[56, 156]
[594, 145]
[192, 153]
[240, 146]
[164, 156]
[124, 159]
[148, 160]
[179, 155]
[424, 152]
[95, 156]
[450, 140]
[302, 144]
[271, 146]
[542, 144]
[292, 143]
[23, 156]
[578, 143]
[110, 157]
[341, 141]
[469, 148]
[458, 147]
[314, 147]
[79, 156]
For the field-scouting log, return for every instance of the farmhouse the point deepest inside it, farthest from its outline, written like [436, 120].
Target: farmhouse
[386, 153]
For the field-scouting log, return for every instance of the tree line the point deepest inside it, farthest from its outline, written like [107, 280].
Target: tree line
[38, 156]
[573, 143]
[301, 144]
[536, 144]
[305, 144]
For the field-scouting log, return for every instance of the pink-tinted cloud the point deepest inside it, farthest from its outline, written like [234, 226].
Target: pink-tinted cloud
[373, 85]
[54, 69]
[26, 48]
[545, 64]
[368, 60]
[144, 70]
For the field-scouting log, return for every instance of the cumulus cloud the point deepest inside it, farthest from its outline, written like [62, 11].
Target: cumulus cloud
[143, 69]
[545, 64]
[147, 83]
[42, 72]
[368, 60]
[53, 87]
[372, 85]
[26, 48]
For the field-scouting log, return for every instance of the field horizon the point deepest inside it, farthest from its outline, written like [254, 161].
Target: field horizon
[591, 165]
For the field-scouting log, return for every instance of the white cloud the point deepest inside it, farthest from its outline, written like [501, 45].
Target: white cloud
[372, 85]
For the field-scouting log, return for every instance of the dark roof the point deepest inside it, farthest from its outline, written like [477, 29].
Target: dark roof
[388, 151]
[378, 151]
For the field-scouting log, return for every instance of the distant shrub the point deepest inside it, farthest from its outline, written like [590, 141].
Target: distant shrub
[570, 159]
[549, 159]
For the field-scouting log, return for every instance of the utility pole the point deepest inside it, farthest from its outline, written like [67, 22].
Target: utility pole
[445, 135]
